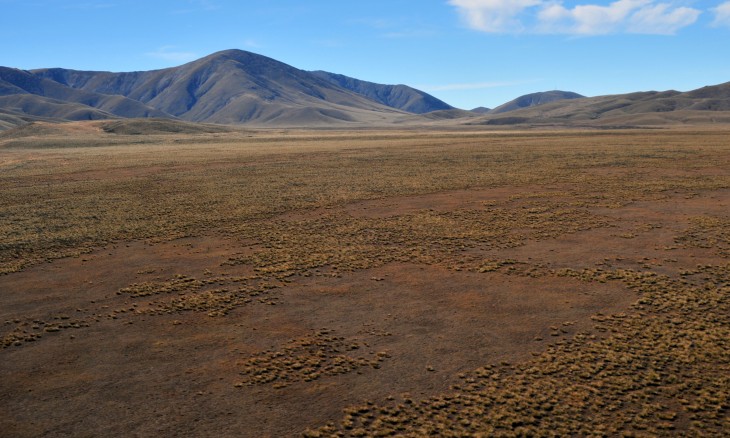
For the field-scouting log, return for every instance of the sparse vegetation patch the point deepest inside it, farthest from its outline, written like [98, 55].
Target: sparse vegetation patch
[318, 355]
[176, 251]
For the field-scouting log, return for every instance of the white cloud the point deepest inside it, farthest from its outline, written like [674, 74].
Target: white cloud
[589, 19]
[552, 17]
[661, 19]
[170, 53]
[722, 15]
[494, 15]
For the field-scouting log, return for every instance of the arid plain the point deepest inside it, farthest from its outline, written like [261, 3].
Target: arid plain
[277, 282]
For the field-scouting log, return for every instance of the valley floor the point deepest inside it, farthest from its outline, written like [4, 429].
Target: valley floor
[280, 283]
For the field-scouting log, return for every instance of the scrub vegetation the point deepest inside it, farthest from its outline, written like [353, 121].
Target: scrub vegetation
[256, 235]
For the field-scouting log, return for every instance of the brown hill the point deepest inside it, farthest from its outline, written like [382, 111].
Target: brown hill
[26, 93]
[706, 105]
[535, 99]
[10, 119]
[238, 87]
[232, 86]
[94, 133]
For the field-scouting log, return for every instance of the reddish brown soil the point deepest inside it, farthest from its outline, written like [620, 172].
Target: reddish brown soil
[175, 375]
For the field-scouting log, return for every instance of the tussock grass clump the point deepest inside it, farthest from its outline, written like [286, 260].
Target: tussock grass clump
[708, 232]
[661, 367]
[31, 330]
[287, 203]
[309, 358]
[182, 293]
[347, 243]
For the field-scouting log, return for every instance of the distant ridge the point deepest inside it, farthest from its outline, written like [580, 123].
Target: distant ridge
[709, 104]
[396, 96]
[535, 99]
[28, 93]
[481, 110]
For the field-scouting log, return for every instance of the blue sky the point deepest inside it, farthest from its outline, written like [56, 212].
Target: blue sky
[467, 52]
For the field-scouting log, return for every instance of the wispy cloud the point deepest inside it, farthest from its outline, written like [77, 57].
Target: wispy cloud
[494, 15]
[89, 5]
[622, 16]
[208, 5]
[171, 53]
[722, 14]
[197, 6]
[375, 23]
[409, 33]
[330, 43]
[252, 44]
[552, 17]
[473, 85]
[395, 28]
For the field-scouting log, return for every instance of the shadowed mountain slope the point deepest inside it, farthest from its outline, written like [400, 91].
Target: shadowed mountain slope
[10, 119]
[24, 92]
[32, 107]
[396, 96]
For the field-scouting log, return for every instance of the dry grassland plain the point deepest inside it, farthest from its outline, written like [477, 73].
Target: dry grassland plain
[370, 283]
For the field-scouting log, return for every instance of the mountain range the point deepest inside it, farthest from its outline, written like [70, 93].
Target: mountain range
[706, 105]
[228, 87]
[239, 87]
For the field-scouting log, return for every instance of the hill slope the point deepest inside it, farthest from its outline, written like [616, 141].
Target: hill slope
[33, 95]
[396, 96]
[705, 105]
[232, 86]
[238, 87]
[535, 99]
[481, 110]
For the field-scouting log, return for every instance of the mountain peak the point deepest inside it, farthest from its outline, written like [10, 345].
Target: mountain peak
[234, 54]
[230, 86]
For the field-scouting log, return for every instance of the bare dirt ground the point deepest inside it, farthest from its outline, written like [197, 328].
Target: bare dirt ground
[501, 309]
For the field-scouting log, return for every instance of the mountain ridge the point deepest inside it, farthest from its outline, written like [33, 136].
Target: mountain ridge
[230, 86]
[396, 96]
[226, 87]
[237, 87]
[709, 104]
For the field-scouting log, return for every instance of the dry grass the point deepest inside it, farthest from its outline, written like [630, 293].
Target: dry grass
[663, 366]
[58, 204]
[318, 355]
[659, 368]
